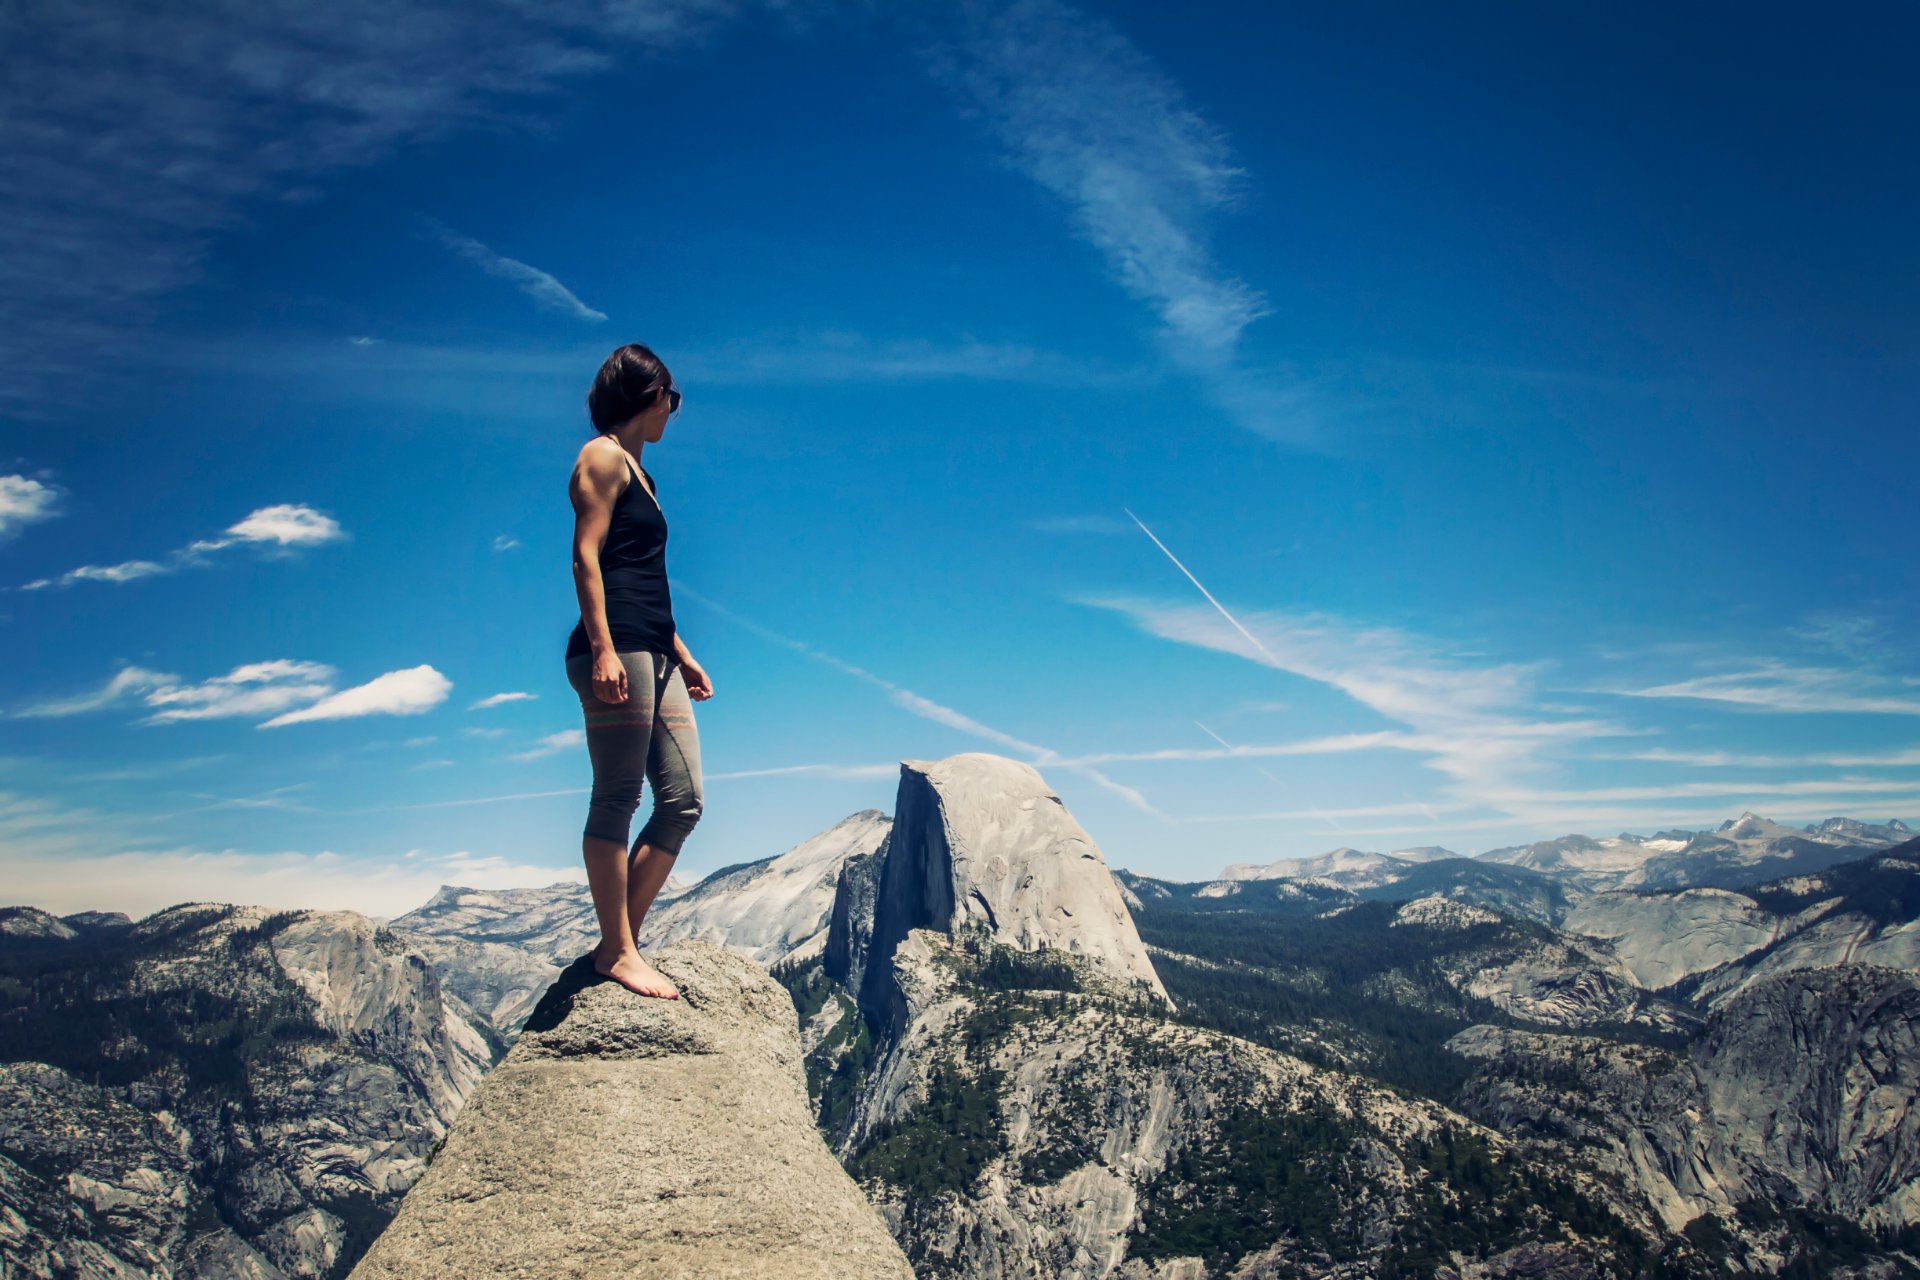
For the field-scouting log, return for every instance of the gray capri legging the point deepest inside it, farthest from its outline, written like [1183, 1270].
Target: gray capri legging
[651, 737]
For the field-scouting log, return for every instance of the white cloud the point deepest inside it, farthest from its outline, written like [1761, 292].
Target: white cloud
[24, 500]
[1478, 722]
[1087, 116]
[505, 542]
[252, 689]
[1898, 758]
[535, 283]
[497, 699]
[284, 526]
[258, 688]
[842, 772]
[397, 693]
[1783, 687]
[554, 744]
[125, 684]
[125, 571]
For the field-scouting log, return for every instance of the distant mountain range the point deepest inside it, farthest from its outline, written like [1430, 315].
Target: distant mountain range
[1684, 1055]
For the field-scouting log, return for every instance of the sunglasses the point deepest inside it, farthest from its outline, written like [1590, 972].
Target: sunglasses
[673, 398]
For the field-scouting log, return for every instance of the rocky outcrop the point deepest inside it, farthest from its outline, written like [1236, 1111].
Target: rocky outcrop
[627, 1136]
[775, 908]
[980, 844]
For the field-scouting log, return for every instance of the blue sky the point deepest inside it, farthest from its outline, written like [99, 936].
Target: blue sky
[1288, 429]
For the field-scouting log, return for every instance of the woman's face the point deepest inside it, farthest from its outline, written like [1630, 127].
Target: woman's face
[653, 419]
[653, 422]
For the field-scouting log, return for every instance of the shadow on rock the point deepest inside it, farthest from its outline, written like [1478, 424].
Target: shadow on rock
[557, 1003]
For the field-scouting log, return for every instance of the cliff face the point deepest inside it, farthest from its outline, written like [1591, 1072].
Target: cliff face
[220, 1092]
[981, 845]
[627, 1136]
[1799, 1094]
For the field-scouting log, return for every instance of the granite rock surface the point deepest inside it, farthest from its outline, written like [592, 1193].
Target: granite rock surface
[629, 1136]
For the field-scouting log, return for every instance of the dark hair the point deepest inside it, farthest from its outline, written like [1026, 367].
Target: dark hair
[620, 389]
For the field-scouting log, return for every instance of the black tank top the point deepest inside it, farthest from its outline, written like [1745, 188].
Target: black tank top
[633, 570]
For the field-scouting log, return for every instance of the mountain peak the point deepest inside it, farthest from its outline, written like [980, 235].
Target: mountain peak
[982, 843]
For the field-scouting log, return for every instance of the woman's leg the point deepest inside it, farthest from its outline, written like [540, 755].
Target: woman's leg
[618, 737]
[673, 770]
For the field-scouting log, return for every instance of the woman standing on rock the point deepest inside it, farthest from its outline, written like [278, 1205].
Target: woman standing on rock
[637, 682]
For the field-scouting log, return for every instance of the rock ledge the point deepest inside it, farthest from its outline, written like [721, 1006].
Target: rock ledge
[627, 1136]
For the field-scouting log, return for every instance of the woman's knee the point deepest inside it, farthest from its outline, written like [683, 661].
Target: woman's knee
[610, 809]
[672, 820]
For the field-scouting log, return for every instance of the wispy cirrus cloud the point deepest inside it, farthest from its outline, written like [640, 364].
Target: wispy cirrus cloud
[1088, 117]
[25, 501]
[1898, 758]
[1785, 687]
[397, 693]
[539, 285]
[1103, 525]
[1080, 110]
[283, 527]
[1476, 721]
[131, 135]
[255, 688]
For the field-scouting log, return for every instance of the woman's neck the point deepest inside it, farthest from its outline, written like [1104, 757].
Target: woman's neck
[633, 444]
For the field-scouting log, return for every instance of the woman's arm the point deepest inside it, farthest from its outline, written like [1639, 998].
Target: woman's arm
[699, 683]
[594, 488]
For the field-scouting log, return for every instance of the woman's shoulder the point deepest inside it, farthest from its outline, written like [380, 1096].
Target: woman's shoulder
[603, 458]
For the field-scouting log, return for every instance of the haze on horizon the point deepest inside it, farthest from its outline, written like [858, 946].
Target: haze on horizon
[1287, 430]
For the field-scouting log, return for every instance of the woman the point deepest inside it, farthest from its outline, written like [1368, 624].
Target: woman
[637, 682]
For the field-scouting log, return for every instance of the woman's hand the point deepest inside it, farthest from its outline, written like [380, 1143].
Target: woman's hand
[609, 678]
[699, 683]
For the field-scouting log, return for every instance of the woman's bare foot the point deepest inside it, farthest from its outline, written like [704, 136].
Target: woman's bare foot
[636, 975]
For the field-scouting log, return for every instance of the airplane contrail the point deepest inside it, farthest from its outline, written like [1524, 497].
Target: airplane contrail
[1251, 638]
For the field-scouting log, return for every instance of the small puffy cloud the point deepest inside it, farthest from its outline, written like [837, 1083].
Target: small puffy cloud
[397, 693]
[554, 744]
[285, 525]
[289, 525]
[24, 500]
[497, 699]
[505, 542]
